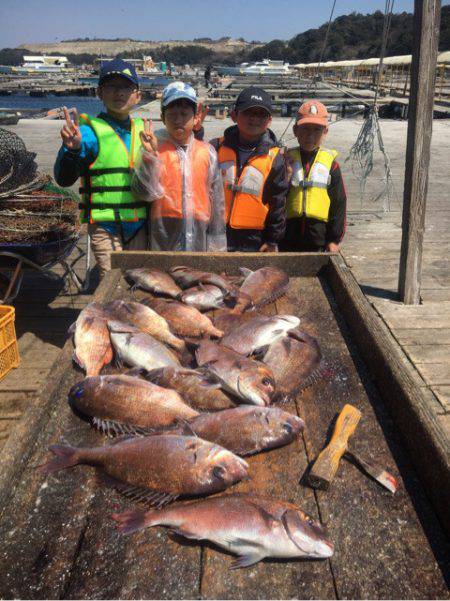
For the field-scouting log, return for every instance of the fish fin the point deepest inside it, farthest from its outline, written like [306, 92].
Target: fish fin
[152, 498]
[77, 360]
[245, 272]
[259, 353]
[135, 372]
[323, 370]
[131, 521]
[71, 329]
[186, 427]
[153, 375]
[113, 428]
[244, 561]
[65, 456]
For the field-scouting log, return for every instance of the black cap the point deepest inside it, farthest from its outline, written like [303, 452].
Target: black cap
[118, 67]
[253, 96]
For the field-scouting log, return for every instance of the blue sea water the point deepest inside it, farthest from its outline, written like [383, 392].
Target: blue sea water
[83, 104]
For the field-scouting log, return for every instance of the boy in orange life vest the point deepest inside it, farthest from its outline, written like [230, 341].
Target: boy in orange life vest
[316, 202]
[254, 175]
[180, 177]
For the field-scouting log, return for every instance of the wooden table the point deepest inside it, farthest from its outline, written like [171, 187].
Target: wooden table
[59, 540]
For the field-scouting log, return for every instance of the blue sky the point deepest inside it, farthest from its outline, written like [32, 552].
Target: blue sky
[23, 21]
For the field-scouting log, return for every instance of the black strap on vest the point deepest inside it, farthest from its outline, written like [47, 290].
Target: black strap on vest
[112, 205]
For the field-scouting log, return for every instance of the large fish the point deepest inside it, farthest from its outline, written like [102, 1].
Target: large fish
[250, 526]
[183, 319]
[295, 362]
[93, 347]
[139, 349]
[145, 319]
[153, 280]
[226, 320]
[204, 297]
[121, 404]
[245, 430]
[259, 333]
[245, 378]
[260, 287]
[193, 388]
[157, 468]
[186, 277]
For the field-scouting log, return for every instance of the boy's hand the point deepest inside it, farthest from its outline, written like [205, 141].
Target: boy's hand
[200, 116]
[268, 248]
[332, 247]
[148, 139]
[289, 162]
[70, 132]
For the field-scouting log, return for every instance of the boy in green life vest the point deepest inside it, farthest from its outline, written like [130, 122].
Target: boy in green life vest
[316, 201]
[101, 151]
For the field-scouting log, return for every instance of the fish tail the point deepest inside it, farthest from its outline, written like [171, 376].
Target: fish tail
[132, 521]
[65, 457]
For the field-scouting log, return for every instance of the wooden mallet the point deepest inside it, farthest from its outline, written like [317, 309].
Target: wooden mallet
[327, 463]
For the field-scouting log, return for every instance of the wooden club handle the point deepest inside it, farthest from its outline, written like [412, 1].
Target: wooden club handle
[327, 463]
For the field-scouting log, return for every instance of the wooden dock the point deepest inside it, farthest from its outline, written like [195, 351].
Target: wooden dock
[371, 250]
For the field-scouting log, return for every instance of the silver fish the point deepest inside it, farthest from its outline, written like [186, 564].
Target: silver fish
[138, 349]
[250, 526]
[259, 333]
[203, 297]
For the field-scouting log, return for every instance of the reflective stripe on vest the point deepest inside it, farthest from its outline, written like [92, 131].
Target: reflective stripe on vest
[106, 188]
[244, 208]
[186, 190]
[309, 196]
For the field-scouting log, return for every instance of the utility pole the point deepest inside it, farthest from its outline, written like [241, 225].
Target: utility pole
[427, 15]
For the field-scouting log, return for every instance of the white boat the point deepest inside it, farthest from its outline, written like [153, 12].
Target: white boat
[265, 67]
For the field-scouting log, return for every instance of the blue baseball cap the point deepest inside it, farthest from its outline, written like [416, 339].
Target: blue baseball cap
[176, 91]
[118, 67]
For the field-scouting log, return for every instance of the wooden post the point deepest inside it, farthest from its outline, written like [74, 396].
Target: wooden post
[423, 77]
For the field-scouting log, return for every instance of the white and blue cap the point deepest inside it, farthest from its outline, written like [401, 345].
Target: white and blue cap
[178, 90]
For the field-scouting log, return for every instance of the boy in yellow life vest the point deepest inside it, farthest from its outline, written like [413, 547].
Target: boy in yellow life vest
[102, 151]
[179, 176]
[254, 175]
[316, 201]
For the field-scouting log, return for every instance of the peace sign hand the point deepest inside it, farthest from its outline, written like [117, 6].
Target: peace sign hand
[200, 116]
[70, 132]
[148, 138]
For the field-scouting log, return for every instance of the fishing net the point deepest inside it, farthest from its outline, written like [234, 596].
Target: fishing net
[33, 209]
[362, 161]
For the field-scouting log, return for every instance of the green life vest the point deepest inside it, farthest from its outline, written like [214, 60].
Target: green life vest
[309, 196]
[106, 187]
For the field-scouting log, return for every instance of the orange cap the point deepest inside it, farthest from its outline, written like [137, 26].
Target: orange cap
[312, 111]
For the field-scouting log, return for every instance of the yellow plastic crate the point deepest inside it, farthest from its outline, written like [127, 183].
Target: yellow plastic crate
[9, 353]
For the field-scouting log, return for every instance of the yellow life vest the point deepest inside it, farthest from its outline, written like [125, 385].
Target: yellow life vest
[244, 207]
[106, 187]
[309, 195]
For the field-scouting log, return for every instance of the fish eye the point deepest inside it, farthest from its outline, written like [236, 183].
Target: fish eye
[79, 391]
[266, 381]
[288, 427]
[219, 472]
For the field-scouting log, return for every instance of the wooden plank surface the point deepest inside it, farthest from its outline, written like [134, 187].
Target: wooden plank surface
[386, 524]
[59, 541]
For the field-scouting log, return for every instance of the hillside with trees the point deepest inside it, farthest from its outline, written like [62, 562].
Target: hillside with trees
[351, 36]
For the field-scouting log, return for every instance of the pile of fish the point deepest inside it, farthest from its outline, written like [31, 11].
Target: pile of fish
[191, 394]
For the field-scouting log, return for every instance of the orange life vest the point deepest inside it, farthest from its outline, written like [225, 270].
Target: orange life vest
[185, 181]
[244, 207]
